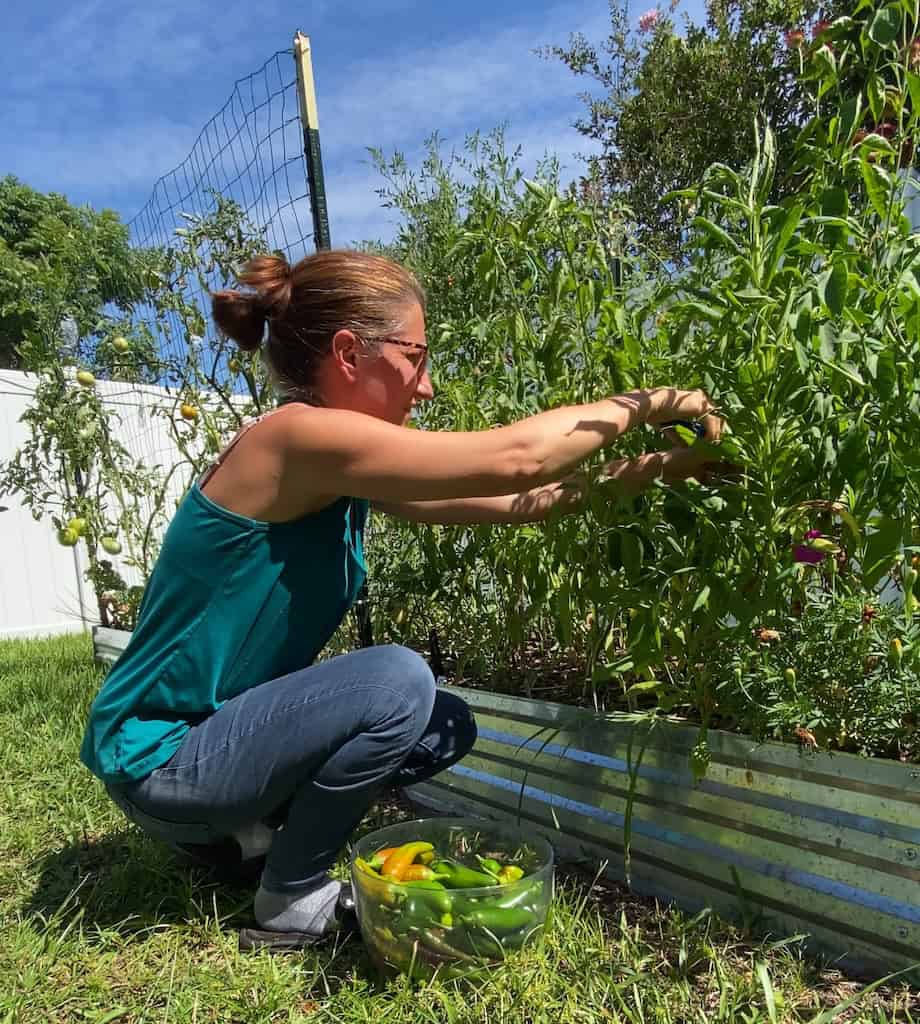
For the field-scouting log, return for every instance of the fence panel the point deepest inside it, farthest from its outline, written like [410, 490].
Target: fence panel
[40, 581]
[39, 586]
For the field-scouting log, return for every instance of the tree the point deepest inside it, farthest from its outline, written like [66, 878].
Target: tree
[672, 105]
[60, 265]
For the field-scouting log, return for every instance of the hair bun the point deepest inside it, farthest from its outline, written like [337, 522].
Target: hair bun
[242, 315]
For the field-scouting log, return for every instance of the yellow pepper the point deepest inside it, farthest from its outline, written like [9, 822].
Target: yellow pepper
[401, 858]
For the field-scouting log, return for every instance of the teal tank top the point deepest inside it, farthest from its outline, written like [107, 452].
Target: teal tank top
[231, 603]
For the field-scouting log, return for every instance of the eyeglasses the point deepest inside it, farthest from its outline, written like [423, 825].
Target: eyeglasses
[420, 362]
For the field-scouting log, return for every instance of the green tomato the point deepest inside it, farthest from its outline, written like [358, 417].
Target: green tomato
[85, 378]
[67, 537]
[120, 344]
[78, 526]
[111, 545]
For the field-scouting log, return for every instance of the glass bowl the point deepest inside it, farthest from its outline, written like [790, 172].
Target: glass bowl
[452, 928]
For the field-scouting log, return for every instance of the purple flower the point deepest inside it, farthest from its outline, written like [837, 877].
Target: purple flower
[801, 553]
[649, 20]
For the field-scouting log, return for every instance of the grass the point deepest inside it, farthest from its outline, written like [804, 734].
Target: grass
[99, 924]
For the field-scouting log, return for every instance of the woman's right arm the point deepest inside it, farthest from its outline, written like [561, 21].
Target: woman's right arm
[335, 451]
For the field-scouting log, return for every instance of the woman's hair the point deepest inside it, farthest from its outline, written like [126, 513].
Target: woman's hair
[305, 304]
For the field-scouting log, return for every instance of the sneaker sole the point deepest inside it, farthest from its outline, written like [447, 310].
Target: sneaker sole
[286, 942]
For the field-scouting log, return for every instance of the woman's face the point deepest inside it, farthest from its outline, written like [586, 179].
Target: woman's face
[392, 373]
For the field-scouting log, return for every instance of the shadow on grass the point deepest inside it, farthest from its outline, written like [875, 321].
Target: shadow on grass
[134, 886]
[130, 883]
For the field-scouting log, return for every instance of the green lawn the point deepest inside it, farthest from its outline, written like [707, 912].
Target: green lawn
[98, 923]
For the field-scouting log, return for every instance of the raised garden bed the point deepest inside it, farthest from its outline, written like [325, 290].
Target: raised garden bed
[801, 842]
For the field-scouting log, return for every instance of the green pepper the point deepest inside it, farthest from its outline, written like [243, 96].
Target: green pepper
[459, 876]
[438, 944]
[521, 937]
[518, 896]
[497, 919]
[510, 873]
[367, 867]
[377, 887]
[436, 895]
[489, 864]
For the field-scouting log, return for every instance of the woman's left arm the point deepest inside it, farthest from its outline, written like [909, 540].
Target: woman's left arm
[563, 497]
[526, 507]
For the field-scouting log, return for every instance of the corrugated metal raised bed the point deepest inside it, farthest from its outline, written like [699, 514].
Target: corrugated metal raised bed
[823, 844]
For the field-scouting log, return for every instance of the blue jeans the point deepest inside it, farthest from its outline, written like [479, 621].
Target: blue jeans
[309, 751]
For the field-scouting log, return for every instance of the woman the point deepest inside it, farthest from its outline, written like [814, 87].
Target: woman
[215, 731]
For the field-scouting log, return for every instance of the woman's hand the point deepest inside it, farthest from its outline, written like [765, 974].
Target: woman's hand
[672, 466]
[682, 463]
[667, 404]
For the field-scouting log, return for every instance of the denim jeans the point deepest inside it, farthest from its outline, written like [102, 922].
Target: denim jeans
[309, 751]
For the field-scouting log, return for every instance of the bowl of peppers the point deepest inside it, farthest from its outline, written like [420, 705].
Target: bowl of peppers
[450, 896]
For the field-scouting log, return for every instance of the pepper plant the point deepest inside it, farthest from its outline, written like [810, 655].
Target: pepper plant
[800, 318]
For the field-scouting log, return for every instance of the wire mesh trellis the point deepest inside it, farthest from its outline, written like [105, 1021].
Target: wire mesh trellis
[251, 152]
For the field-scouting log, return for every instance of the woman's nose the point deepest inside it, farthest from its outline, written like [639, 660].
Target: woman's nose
[425, 388]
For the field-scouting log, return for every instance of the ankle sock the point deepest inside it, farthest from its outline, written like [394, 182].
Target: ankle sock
[312, 912]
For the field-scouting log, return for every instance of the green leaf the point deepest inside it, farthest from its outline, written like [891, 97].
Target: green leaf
[833, 288]
[886, 379]
[835, 202]
[885, 25]
[878, 185]
[775, 254]
[604, 673]
[913, 87]
[882, 548]
[876, 92]
[646, 686]
[717, 234]
[701, 599]
[632, 555]
[828, 337]
[850, 115]
[711, 313]
[763, 976]
[852, 458]
[801, 356]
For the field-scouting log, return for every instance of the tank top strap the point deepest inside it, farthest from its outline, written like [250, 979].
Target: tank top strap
[237, 437]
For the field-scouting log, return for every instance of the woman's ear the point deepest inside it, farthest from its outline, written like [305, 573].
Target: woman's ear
[345, 351]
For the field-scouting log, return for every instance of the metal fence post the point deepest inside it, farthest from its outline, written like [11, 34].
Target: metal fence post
[309, 116]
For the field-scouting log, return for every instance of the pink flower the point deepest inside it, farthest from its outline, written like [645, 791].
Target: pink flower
[649, 20]
[801, 553]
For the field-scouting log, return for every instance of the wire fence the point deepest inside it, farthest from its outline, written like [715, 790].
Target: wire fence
[251, 152]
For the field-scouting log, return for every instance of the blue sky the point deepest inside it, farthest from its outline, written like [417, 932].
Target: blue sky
[101, 98]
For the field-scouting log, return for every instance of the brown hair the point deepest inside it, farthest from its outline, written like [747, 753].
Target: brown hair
[304, 306]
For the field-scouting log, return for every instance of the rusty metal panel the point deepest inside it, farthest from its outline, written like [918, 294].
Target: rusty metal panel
[816, 843]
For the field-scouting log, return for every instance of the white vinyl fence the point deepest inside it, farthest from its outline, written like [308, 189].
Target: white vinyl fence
[42, 589]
